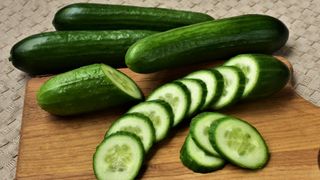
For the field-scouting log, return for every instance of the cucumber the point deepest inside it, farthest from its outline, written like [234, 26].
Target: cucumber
[54, 52]
[197, 160]
[198, 95]
[239, 143]
[199, 130]
[264, 74]
[214, 84]
[119, 156]
[138, 124]
[207, 41]
[177, 95]
[86, 16]
[160, 114]
[87, 89]
[234, 83]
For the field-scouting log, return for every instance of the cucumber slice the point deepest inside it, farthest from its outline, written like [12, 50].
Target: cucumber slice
[214, 84]
[199, 130]
[197, 160]
[119, 156]
[234, 82]
[138, 124]
[198, 95]
[160, 114]
[177, 95]
[239, 142]
[122, 81]
[264, 74]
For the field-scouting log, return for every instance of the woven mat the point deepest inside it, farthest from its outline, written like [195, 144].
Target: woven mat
[21, 18]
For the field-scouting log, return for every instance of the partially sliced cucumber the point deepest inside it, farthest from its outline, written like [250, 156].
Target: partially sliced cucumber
[239, 142]
[234, 82]
[199, 130]
[264, 74]
[214, 84]
[160, 114]
[177, 95]
[123, 82]
[138, 124]
[119, 156]
[198, 93]
[197, 160]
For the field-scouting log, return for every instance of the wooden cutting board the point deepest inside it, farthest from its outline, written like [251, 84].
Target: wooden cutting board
[54, 147]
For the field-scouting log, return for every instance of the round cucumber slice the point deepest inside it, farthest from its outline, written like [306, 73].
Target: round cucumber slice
[197, 160]
[138, 124]
[122, 81]
[239, 142]
[264, 74]
[199, 130]
[160, 114]
[214, 84]
[234, 82]
[198, 95]
[177, 95]
[119, 156]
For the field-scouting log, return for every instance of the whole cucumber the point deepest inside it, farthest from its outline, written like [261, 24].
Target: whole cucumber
[86, 89]
[207, 41]
[53, 52]
[88, 16]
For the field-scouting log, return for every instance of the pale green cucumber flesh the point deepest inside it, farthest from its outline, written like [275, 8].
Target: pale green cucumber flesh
[160, 114]
[239, 142]
[175, 94]
[138, 124]
[234, 82]
[119, 156]
[197, 160]
[199, 130]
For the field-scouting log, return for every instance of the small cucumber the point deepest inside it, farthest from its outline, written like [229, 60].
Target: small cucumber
[199, 130]
[234, 83]
[160, 114]
[239, 142]
[54, 52]
[119, 156]
[177, 95]
[198, 93]
[197, 160]
[264, 74]
[138, 124]
[87, 89]
[89, 16]
[207, 41]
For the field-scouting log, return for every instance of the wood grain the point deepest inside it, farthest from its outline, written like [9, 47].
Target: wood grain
[53, 147]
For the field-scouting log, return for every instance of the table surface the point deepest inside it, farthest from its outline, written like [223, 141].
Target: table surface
[21, 18]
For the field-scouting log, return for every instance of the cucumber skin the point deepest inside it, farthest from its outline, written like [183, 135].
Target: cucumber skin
[207, 41]
[219, 87]
[86, 16]
[214, 125]
[82, 90]
[117, 134]
[273, 76]
[193, 165]
[54, 52]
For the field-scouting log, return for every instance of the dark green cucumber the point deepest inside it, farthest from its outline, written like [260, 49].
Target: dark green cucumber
[86, 16]
[89, 88]
[53, 52]
[265, 75]
[207, 41]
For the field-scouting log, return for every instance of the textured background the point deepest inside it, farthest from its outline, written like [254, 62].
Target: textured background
[21, 18]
